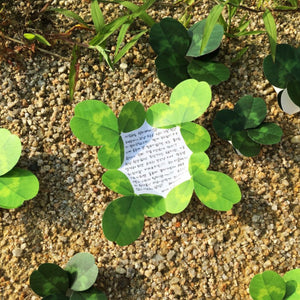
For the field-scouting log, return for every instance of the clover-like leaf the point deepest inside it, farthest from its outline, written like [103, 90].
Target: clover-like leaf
[195, 136]
[216, 190]
[171, 68]
[168, 36]
[118, 182]
[243, 143]
[196, 33]
[91, 294]
[94, 123]
[226, 123]
[285, 68]
[49, 279]
[10, 150]
[17, 186]
[293, 89]
[292, 280]
[266, 134]
[123, 220]
[154, 205]
[198, 160]
[83, 271]
[211, 72]
[267, 286]
[132, 116]
[251, 110]
[179, 197]
[188, 101]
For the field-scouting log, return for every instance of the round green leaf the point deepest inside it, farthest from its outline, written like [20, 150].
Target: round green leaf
[267, 286]
[211, 72]
[123, 220]
[83, 271]
[17, 186]
[118, 182]
[132, 116]
[168, 36]
[171, 68]
[94, 123]
[245, 145]
[293, 89]
[196, 33]
[227, 122]
[216, 190]
[179, 197]
[48, 280]
[266, 134]
[292, 280]
[198, 161]
[10, 150]
[154, 205]
[251, 110]
[195, 136]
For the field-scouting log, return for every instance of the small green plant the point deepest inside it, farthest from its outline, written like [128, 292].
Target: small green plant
[244, 126]
[73, 282]
[283, 72]
[16, 185]
[271, 286]
[184, 54]
[155, 159]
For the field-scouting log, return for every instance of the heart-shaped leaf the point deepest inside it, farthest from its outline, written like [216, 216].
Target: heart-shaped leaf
[266, 134]
[123, 220]
[188, 101]
[215, 190]
[132, 116]
[17, 186]
[196, 33]
[292, 280]
[83, 271]
[49, 279]
[268, 285]
[94, 123]
[10, 150]
[251, 110]
[242, 142]
[118, 182]
[198, 160]
[211, 72]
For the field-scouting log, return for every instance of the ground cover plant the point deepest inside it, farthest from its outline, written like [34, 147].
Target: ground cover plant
[73, 282]
[244, 126]
[16, 185]
[271, 286]
[139, 171]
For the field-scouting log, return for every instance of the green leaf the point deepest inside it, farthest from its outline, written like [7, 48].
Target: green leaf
[169, 36]
[292, 280]
[198, 160]
[293, 89]
[286, 67]
[94, 123]
[179, 197]
[240, 54]
[73, 75]
[195, 136]
[216, 190]
[154, 205]
[103, 54]
[188, 101]
[70, 14]
[91, 294]
[123, 220]
[121, 36]
[118, 182]
[38, 37]
[211, 72]
[210, 23]
[17, 186]
[83, 271]
[251, 110]
[171, 68]
[267, 286]
[56, 297]
[196, 33]
[49, 279]
[10, 150]
[271, 30]
[242, 142]
[227, 122]
[97, 16]
[132, 116]
[266, 134]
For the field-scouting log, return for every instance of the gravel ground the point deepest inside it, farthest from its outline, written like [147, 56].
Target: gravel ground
[197, 254]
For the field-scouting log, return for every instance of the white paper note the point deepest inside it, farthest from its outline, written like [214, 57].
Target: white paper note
[156, 160]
